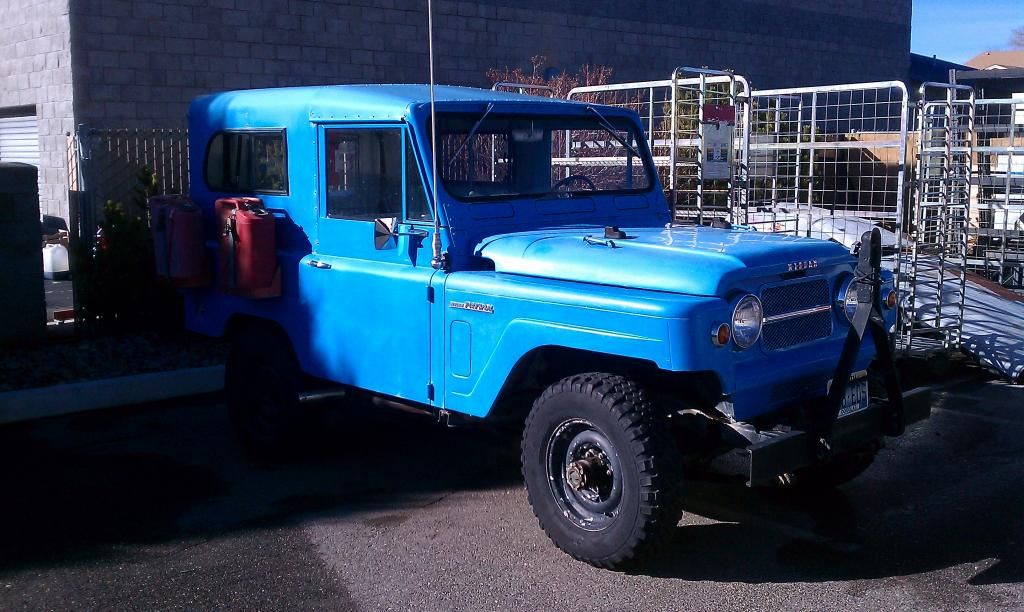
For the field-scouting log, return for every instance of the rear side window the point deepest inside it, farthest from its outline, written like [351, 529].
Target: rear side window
[248, 162]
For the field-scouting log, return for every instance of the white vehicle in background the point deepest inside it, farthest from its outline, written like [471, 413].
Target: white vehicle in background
[817, 222]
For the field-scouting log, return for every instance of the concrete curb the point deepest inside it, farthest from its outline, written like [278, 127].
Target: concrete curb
[42, 402]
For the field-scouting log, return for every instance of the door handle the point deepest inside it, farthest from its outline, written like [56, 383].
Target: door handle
[322, 265]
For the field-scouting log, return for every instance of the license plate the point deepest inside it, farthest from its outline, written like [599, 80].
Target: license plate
[856, 397]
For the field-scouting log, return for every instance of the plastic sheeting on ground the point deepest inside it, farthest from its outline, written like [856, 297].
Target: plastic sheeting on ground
[993, 323]
[993, 329]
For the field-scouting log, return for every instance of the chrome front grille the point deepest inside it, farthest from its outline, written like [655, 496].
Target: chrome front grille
[796, 313]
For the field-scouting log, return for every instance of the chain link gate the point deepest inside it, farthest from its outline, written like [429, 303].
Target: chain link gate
[996, 234]
[104, 165]
[697, 130]
[933, 312]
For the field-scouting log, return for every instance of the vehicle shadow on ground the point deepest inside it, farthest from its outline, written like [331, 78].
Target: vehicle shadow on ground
[947, 494]
[97, 486]
[791, 537]
[103, 486]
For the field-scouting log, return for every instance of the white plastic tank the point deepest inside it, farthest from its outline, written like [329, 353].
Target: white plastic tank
[55, 261]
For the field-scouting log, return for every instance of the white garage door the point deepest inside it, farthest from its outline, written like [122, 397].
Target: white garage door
[19, 140]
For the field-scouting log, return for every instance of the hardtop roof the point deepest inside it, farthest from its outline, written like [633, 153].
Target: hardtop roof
[362, 102]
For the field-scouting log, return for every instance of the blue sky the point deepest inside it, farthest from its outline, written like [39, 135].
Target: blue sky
[957, 30]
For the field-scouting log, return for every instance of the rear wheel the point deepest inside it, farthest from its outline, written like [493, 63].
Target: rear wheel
[262, 382]
[602, 472]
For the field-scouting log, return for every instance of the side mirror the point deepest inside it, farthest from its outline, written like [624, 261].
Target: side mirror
[384, 236]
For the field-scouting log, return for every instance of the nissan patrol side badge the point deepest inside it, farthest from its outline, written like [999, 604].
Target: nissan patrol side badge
[795, 266]
[474, 306]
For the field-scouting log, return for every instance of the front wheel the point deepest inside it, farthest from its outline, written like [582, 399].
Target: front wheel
[602, 473]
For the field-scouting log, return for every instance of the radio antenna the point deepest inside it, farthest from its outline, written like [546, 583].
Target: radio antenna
[437, 258]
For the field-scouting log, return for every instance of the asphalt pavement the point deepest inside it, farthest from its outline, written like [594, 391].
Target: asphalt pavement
[154, 507]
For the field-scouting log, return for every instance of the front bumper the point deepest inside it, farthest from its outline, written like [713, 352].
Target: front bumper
[784, 452]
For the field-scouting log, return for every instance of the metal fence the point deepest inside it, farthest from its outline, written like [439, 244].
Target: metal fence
[111, 165]
[936, 274]
[996, 232]
[819, 155]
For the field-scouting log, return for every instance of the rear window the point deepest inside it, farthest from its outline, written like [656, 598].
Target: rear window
[253, 161]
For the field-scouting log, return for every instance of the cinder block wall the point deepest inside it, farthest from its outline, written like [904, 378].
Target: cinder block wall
[35, 71]
[139, 63]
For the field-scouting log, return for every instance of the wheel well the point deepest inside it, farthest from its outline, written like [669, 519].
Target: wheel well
[544, 366]
[243, 324]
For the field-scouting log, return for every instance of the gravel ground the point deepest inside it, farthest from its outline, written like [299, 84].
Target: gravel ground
[65, 360]
[154, 507]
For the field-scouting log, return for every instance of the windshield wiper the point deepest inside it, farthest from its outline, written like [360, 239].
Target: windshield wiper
[607, 125]
[472, 133]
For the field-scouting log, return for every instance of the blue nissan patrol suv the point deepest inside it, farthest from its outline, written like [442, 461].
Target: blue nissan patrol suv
[503, 256]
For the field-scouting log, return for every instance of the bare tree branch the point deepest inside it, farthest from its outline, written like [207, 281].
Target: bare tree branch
[1017, 38]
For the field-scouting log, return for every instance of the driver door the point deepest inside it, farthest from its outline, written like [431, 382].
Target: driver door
[367, 292]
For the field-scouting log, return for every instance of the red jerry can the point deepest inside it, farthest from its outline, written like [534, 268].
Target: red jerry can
[187, 262]
[178, 249]
[248, 248]
[159, 206]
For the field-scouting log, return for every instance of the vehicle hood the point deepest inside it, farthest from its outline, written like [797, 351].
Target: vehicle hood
[693, 260]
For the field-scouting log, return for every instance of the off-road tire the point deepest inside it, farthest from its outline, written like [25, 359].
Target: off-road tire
[649, 507]
[836, 471]
[262, 382]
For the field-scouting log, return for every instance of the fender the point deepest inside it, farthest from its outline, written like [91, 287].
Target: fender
[493, 320]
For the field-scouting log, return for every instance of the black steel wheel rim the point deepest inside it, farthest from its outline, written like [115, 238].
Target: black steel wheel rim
[585, 474]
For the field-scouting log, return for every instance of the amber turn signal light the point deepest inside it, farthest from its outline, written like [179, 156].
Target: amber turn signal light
[720, 334]
[890, 299]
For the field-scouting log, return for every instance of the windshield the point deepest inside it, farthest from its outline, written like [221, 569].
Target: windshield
[489, 156]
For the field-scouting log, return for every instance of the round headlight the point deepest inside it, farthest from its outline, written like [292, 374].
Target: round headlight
[847, 299]
[747, 318]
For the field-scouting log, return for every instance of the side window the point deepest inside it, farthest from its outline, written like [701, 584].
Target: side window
[417, 208]
[365, 174]
[248, 162]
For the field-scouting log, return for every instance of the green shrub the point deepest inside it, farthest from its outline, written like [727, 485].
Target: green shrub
[116, 282]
